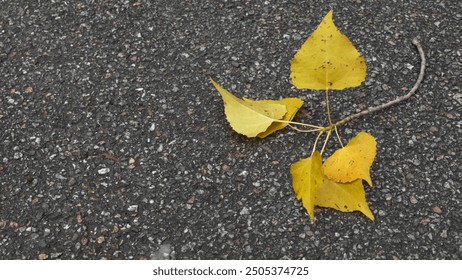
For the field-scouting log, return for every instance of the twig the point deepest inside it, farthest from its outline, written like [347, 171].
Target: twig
[397, 100]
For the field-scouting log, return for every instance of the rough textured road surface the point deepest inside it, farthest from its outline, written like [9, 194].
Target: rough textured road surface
[114, 144]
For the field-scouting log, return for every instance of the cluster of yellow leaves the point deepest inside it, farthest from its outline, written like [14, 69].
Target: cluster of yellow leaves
[338, 182]
[326, 61]
[329, 61]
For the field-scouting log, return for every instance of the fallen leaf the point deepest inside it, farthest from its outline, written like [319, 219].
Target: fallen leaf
[345, 197]
[327, 60]
[352, 161]
[254, 118]
[292, 104]
[306, 178]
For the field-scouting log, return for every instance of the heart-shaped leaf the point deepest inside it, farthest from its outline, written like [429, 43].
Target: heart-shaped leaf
[327, 60]
[352, 161]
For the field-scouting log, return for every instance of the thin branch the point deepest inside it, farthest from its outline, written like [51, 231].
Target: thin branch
[399, 99]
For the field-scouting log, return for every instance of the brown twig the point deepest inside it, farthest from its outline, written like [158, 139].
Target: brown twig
[109, 157]
[399, 99]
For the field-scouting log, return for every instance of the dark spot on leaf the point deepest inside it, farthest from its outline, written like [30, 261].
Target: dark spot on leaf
[346, 207]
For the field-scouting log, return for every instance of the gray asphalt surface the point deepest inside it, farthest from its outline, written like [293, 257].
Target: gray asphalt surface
[114, 145]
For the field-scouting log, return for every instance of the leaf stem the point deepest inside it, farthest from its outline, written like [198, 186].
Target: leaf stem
[304, 130]
[338, 136]
[299, 123]
[325, 141]
[399, 99]
[316, 141]
[328, 107]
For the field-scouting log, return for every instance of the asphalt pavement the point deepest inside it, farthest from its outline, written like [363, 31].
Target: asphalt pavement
[114, 144]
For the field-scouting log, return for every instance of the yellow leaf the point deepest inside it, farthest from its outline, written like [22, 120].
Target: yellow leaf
[249, 117]
[352, 161]
[327, 60]
[292, 104]
[345, 197]
[257, 118]
[306, 178]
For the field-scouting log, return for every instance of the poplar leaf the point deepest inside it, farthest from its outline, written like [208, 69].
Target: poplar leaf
[292, 104]
[345, 197]
[257, 118]
[306, 178]
[327, 60]
[352, 161]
